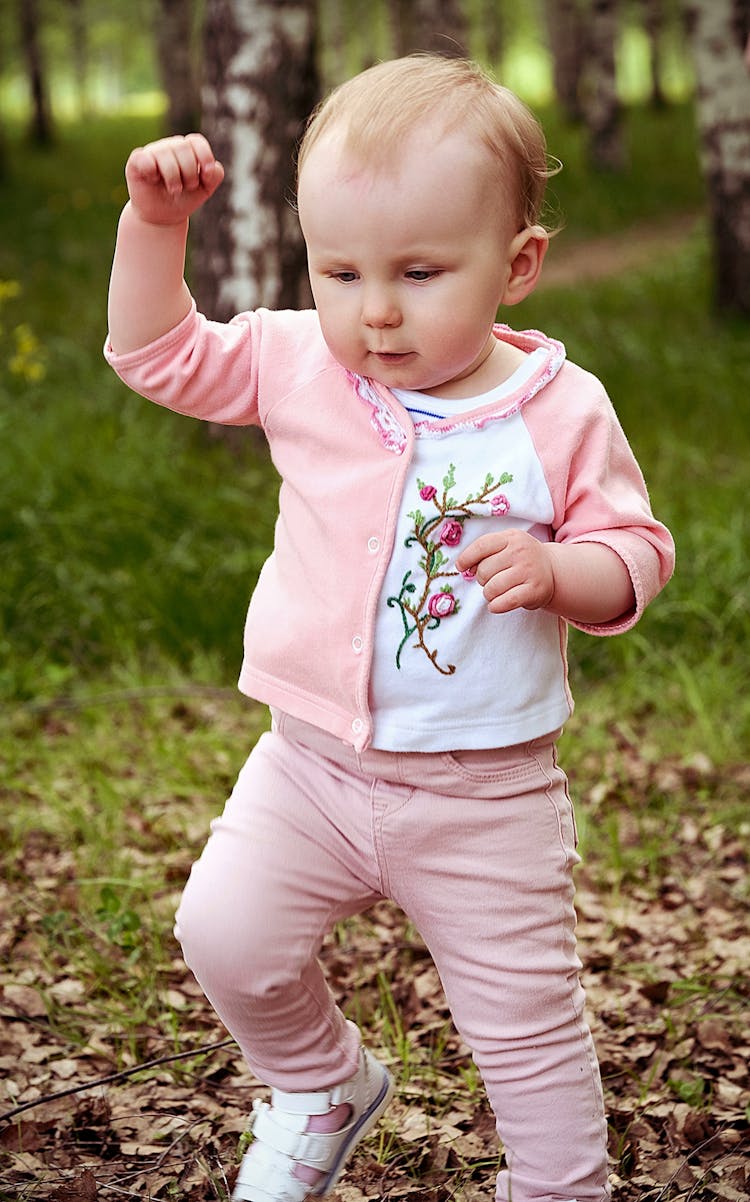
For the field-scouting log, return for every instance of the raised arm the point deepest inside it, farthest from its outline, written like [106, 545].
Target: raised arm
[167, 181]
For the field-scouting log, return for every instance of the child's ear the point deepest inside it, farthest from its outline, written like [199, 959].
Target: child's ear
[525, 257]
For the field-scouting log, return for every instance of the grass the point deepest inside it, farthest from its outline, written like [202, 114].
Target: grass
[106, 519]
[591, 204]
[105, 809]
[130, 544]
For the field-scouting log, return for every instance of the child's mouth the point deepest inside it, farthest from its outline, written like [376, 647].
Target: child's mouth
[392, 356]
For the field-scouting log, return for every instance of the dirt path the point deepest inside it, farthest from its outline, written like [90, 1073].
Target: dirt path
[569, 262]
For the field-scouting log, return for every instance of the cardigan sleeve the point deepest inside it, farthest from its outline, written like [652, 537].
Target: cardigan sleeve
[597, 488]
[201, 368]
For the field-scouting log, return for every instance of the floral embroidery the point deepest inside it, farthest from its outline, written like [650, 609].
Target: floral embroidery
[441, 605]
[426, 604]
[450, 533]
[500, 505]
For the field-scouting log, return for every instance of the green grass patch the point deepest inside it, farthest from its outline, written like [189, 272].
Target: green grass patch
[103, 810]
[661, 178]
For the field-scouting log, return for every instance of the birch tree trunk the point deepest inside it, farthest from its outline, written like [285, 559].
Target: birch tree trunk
[174, 48]
[260, 84]
[601, 104]
[718, 31]
[566, 33]
[435, 25]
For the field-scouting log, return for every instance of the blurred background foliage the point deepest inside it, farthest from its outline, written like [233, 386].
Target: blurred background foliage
[101, 55]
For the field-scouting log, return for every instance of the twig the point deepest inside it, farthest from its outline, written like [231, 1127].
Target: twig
[165, 1155]
[121, 1076]
[705, 1143]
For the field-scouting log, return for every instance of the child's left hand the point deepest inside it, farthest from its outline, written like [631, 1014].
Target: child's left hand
[514, 569]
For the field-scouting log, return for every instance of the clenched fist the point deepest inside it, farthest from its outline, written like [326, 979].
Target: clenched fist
[169, 179]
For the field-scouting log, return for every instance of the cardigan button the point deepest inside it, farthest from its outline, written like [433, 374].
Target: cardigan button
[357, 725]
[373, 545]
[357, 644]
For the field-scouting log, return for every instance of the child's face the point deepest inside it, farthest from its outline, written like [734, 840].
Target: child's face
[409, 263]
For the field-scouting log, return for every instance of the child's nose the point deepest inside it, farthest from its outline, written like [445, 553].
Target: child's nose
[379, 309]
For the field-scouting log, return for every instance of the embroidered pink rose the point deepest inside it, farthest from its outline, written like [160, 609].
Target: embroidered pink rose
[450, 533]
[500, 504]
[470, 574]
[427, 492]
[441, 605]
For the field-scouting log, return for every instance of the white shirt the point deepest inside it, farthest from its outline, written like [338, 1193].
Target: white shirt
[447, 673]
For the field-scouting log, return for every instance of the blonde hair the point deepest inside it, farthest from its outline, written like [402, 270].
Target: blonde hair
[379, 108]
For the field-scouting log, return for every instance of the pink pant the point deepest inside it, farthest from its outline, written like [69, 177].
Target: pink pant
[478, 849]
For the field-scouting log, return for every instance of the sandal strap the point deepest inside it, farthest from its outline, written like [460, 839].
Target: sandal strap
[263, 1177]
[313, 1103]
[284, 1134]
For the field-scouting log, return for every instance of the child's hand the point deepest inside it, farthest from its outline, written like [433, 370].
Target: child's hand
[514, 569]
[169, 179]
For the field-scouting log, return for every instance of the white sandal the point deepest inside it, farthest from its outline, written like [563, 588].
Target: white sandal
[281, 1141]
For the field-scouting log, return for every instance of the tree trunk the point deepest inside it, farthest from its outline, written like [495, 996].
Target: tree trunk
[41, 117]
[174, 47]
[718, 31]
[653, 23]
[259, 87]
[566, 32]
[601, 104]
[435, 25]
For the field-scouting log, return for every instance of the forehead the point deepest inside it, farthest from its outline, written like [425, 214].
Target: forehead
[434, 180]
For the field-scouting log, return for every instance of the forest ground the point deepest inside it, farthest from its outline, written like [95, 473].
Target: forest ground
[663, 941]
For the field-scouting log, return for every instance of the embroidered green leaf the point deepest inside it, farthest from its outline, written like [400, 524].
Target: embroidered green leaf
[423, 611]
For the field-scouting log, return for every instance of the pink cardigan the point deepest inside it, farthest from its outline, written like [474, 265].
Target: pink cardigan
[342, 446]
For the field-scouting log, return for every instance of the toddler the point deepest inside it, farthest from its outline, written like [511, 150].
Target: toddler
[453, 495]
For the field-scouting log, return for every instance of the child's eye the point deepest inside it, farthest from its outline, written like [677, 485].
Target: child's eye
[344, 277]
[420, 274]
